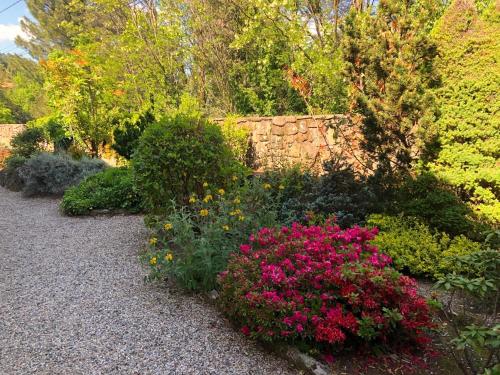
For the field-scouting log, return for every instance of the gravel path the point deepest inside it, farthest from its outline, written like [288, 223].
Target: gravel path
[72, 301]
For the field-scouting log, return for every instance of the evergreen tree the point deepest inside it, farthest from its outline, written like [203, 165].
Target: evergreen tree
[55, 24]
[469, 159]
[390, 70]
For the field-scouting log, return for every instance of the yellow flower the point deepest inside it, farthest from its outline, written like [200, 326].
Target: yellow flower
[225, 227]
[235, 212]
[208, 198]
[221, 191]
[237, 201]
[204, 212]
[241, 218]
[267, 186]
[152, 261]
[205, 184]
[168, 226]
[235, 178]
[192, 200]
[281, 187]
[169, 257]
[153, 241]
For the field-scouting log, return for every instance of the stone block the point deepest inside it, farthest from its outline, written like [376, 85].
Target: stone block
[302, 125]
[291, 129]
[277, 130]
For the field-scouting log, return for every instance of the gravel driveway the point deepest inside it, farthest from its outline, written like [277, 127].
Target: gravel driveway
[72, 301]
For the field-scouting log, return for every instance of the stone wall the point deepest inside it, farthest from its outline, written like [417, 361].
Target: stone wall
[7, 131]
[305, 140]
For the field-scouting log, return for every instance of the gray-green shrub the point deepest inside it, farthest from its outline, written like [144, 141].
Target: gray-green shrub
[53, 174]
[9, 176]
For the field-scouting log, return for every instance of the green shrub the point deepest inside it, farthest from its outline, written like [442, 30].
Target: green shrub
[53, 174]
[339, 192]
[111, 189]
[176, 156]
[193, 243]
[418, 249]
[9, 176]
[28, 142]
[126, 137]
[426, 198]
[237, 138]
[475, 332]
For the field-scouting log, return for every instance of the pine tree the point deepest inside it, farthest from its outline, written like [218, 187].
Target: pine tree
[55, 24]
[390, 70]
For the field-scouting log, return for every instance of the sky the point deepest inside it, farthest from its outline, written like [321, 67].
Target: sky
[9, 25]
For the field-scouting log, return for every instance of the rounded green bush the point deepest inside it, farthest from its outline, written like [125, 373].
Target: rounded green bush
[111, 189]
[416, 248]
[176, 156]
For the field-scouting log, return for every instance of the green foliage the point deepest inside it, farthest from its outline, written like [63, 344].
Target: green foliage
[126, 137]
[28, 142]
[426, 198]
[53, 128]
[112, 189]
[6, 116]
[53, 174]
[476, 334]
[193, 243]
[83, 96]
[390, 70]
[416, 248]
[176, 156]
[237, 139]
[469, 124]
[22, 97]
[9, 175]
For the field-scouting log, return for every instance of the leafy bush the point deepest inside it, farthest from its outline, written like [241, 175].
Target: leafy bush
[237, 138]
[53, 174]
[28, 142]
[476, 334]
[111, 189]
[53, 128]
[9, 176]
[424, 197]
[416, 248]
[176, 156]
[321, 285]
[193, 243]
[339, 192]
[126, 137]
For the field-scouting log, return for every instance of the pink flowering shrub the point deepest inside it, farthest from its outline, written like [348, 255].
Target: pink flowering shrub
[322, 285]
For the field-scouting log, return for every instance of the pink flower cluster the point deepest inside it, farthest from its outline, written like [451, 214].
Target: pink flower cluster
[321, 284]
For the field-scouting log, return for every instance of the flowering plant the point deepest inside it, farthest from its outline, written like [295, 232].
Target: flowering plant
[322, 285]
[199, 237]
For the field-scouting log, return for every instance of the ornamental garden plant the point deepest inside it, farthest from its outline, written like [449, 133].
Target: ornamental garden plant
[324, 287]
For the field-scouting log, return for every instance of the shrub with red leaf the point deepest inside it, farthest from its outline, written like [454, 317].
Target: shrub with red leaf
[322, 285]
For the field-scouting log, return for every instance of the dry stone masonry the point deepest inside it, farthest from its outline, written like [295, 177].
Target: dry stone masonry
[7, 131]
[305, 140]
